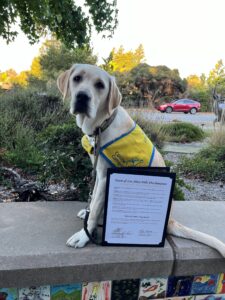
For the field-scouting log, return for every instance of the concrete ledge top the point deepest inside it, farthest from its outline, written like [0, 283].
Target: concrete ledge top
[33, 250]
[205, 216]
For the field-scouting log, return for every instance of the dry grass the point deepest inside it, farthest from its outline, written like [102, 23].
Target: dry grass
[217, 139]
[154, 130]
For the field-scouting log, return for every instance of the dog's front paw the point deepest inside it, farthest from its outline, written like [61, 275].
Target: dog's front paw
[78, 240]
[82, 214]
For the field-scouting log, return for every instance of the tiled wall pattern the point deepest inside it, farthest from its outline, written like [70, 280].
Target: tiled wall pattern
[202, 287]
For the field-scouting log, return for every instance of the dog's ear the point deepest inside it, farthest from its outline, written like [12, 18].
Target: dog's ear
[63, 82]
[114, 97]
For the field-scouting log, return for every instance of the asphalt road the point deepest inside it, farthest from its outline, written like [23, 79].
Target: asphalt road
[202, 119]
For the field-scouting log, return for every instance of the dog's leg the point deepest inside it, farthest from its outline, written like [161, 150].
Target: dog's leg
[82, 213]
[180, 230]
[80, 239]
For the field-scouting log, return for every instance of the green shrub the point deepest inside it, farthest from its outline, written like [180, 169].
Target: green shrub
[183, 132]
[208, 164]
[64, 157]
[22, 150]
[178, 193]
[23, 114]
[31, 109]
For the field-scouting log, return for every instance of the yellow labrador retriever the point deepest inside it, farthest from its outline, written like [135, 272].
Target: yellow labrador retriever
[94, 99]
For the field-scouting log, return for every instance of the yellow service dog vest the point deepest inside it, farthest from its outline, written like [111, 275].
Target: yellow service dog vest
[132, 149]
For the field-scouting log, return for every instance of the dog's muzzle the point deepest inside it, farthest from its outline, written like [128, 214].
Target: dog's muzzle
[81, 104]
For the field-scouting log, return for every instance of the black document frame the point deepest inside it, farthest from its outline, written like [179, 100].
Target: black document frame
[153, 171]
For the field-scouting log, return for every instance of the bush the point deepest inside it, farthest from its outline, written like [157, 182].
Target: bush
[183, 132]
[203, 95]
[64, 157]
[22, 150]
[32, 109]
[178, 193]
[23, 114]
[208, 164]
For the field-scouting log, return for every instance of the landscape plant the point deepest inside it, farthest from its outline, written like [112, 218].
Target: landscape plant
[183, 132]
[23, 114]
[209, 163]
[64, 159]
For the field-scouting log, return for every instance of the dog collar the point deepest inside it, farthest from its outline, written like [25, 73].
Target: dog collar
[105, 124]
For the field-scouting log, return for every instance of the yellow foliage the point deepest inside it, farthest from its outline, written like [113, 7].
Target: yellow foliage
[125, 61]
[6, 78]
[21, 79]
[3, 77]
[10, 78]
[194, 81]
[35, 69]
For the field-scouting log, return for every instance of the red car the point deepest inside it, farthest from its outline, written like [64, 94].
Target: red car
[181, 105]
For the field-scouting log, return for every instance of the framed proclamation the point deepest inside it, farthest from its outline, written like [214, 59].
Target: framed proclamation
[137, 206]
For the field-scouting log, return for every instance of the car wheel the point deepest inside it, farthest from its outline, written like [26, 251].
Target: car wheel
[169, 109]
[185, 112]
[193, 111]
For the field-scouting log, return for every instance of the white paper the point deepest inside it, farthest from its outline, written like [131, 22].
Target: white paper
[137, 208]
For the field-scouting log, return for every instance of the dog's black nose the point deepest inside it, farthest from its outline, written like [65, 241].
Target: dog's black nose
[81, 104]
[82, 96]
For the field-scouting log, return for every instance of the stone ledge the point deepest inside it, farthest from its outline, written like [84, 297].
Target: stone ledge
[33, 250]
[193, 257]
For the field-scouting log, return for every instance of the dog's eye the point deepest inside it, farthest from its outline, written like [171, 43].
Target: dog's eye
[99, 85]
[77, 78]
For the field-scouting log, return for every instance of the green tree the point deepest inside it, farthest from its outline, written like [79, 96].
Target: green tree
[216, 79]
[199, 90]
[55, 57]
[107, 66]
[65, 19]
[145, 85]
[203, 95]
[158, 84]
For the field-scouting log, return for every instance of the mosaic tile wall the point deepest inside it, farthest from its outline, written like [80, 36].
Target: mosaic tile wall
[207, 287]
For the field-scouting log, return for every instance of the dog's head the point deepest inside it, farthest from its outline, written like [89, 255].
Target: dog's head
[91, 89]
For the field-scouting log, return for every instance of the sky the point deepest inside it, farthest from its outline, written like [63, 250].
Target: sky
[188, 35]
